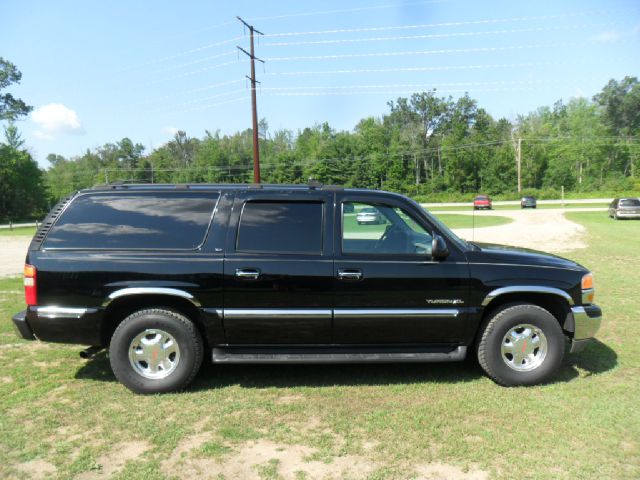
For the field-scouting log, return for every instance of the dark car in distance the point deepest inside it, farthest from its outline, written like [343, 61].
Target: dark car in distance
[482, 202]
[624, 208]
[165, 275]
[528, 202]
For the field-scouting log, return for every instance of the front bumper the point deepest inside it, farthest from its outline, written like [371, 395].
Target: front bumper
[21, 326]
[586, 323]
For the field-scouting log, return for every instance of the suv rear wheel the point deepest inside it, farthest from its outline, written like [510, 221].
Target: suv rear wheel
[521, 345]
[155, 351]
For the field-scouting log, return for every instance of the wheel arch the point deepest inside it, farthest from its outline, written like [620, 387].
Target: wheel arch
[121, 306]
[557, 302]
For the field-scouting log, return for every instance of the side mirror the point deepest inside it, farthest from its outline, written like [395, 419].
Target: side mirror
[439, 249]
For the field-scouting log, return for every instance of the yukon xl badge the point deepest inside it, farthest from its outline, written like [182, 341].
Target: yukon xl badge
[447, 301]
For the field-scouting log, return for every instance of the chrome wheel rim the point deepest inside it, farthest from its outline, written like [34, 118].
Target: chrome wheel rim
[154, 354]
[524, 347]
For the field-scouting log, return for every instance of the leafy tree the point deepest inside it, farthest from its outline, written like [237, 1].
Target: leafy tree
[11, 108]
[22, 190]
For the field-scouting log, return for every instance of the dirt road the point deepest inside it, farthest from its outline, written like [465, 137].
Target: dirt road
[544, 229]
[13, 251]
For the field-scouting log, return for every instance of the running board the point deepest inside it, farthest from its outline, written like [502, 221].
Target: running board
[334, 355]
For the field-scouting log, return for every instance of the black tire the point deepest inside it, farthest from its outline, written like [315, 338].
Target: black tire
[502, 322]
[183, 331]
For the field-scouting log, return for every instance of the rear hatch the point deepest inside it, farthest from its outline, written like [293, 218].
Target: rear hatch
[629, 205]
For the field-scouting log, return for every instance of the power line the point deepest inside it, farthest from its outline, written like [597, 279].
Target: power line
[425, 36]
[426, 25]
[390, 92]
[217, 104]
[185, 52]
[192, 72]
[421, 52]
[203, 99]
[195, 62]
[417, 69]
[345, 10]
[403, 85]
[199, 89]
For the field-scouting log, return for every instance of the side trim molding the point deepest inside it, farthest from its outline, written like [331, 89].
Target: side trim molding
[266, 313]
[395, 312]
[151, 291]
[63, 312]
[526, 289]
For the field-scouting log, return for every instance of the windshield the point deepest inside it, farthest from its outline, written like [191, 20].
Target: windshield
[630, 202]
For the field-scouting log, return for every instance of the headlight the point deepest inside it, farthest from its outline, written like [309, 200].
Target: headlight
[588, 290]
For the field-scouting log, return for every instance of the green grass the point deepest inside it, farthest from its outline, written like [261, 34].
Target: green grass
[71, 413]
[517, 207]
[19, 231]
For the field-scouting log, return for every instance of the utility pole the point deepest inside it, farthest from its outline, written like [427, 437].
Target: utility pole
[254, 106]
[519, 164]
[518, 148]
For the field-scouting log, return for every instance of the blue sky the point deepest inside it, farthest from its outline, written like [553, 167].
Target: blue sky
[99, 71]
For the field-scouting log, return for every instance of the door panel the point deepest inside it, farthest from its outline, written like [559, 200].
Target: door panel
[403, 302]
[399, 297]
[278, 271]
[287, 303]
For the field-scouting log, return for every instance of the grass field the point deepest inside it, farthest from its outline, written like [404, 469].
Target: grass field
[517, 207]
[20, 231]
[63, 417]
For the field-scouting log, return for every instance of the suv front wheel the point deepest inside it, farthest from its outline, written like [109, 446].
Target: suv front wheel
[521, 345]
[155, 351]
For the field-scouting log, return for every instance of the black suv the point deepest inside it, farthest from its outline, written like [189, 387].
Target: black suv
[164, 275]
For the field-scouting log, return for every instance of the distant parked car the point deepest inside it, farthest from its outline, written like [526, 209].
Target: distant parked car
[624, 208]
[482, 201]
[528, 202]
[369, 216]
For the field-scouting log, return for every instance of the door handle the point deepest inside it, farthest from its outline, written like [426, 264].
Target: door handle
[349, 274]
[247, 273]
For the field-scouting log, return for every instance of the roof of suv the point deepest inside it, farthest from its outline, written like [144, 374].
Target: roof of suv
[208, 186]
[122, 187]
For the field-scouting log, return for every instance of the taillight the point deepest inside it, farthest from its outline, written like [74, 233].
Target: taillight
[30, 290]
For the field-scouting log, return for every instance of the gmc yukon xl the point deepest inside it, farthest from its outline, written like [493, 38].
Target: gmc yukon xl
[165, 275]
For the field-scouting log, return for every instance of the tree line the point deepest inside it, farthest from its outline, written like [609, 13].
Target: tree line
[425, 145]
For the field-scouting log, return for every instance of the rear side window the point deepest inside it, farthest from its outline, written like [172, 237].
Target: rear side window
[281, 227]
[163, 220]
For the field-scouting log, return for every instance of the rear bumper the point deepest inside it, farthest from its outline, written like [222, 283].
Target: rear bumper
[587, 320]
[56, 324]
[21, 326]
[627, 214]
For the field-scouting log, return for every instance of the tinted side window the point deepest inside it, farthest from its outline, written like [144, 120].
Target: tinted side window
[382, 229]
[281, 227]
[163, 220]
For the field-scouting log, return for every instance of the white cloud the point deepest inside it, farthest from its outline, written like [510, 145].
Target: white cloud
[56, 119]
[608, 37]
[170, 131]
